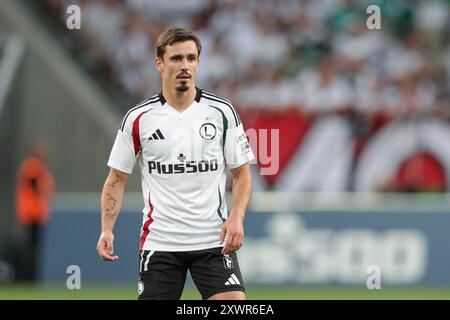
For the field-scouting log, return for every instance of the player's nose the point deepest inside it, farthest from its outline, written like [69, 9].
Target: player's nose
[184, 65]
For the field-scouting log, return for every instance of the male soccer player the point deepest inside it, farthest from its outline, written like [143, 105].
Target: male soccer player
[183, 138]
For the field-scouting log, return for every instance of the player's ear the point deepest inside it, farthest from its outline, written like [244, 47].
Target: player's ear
[158, 64]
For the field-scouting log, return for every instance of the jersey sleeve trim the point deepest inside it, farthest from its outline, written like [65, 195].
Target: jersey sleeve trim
[119, 168]
[136, 133]
[213, 97]
[225, 125]
[145, 103]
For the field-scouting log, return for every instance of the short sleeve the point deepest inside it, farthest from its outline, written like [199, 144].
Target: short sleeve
[122, 155]
[237, 148]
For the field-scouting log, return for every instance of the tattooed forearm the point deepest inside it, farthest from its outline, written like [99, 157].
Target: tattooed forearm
[114, 182]
[111, 209]
[111, 199]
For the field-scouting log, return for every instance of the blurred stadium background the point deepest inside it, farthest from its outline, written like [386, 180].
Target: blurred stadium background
[360, 175]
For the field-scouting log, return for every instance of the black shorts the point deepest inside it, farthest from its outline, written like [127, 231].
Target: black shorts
[162, 274]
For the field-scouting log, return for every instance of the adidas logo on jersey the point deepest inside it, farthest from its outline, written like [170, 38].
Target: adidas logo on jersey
[232, 280]
[157, 135]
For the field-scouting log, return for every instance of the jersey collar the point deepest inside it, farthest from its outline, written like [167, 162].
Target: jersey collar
[198, 96]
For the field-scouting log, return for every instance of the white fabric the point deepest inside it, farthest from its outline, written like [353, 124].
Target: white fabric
[184, 210]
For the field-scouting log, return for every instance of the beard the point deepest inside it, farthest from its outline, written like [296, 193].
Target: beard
[183, 87]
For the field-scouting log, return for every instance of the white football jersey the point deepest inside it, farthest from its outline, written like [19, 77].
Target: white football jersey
[182, 157]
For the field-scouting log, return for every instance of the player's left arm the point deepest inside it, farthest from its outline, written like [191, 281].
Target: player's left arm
[232, 233]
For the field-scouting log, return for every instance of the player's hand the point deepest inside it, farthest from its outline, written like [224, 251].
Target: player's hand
[105, 247]
[232, 233]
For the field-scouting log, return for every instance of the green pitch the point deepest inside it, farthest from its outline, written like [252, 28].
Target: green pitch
[102, 292]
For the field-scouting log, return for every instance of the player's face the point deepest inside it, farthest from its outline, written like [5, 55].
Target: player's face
[179, 65]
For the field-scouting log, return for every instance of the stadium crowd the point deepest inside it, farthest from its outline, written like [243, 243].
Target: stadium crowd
[316, 57]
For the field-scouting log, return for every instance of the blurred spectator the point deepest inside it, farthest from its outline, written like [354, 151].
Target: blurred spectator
[133, 57]
[327, 91]
[35, 187]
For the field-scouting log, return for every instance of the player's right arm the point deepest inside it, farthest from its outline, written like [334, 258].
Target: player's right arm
[123, 156]
[111, 202]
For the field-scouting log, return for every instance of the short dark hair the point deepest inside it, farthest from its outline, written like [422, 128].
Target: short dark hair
[173, 35]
